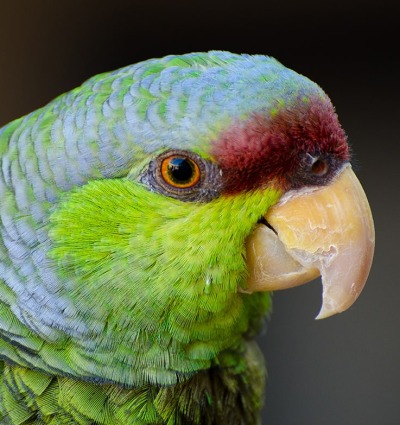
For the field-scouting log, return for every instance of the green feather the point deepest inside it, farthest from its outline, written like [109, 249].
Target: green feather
[218, 396]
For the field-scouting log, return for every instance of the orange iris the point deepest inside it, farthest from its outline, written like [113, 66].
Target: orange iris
[180, 171]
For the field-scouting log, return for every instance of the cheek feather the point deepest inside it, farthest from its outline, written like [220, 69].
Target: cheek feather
[254, 152]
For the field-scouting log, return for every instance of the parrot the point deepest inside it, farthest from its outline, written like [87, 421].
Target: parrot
[147, 217]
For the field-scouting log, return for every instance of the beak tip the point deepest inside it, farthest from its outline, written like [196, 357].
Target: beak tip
[329, 309]
[325, 313]
[334, 302]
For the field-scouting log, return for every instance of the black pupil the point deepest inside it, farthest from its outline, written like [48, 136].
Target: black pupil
[180, 170]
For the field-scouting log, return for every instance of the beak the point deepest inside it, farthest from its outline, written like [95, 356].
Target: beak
[326, 231]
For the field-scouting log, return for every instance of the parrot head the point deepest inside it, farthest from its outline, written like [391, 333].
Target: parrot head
[185, 190]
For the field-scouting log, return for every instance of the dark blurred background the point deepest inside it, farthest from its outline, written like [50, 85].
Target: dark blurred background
[342, 370]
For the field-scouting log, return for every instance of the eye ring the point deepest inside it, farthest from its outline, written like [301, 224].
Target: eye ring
[180, 171]
[183, 175]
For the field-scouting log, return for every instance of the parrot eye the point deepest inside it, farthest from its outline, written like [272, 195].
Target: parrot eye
[183, 175]
[180, 171]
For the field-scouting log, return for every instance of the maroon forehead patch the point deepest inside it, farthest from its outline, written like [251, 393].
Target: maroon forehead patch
[264, 148]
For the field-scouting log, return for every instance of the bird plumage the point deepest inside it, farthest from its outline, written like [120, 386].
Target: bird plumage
[122, 301]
